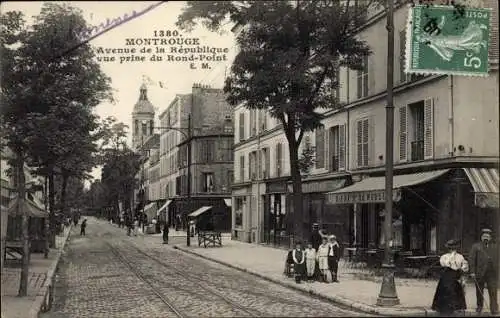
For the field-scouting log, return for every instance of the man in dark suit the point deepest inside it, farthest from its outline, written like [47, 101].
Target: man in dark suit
[483, 262]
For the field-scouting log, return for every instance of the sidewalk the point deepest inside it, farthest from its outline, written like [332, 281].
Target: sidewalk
[41, 272]
[415, 295]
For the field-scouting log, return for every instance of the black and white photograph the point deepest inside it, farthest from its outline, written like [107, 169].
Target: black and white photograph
[303, 158]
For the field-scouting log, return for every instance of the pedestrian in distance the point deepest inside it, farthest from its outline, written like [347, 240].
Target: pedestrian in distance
[165, 233]
[288, 272]
[322, 256]
[333, 257]
[135, 226]
[484, 262]
[310, 261]
[299, 262]
[449, 296]
[83, 226]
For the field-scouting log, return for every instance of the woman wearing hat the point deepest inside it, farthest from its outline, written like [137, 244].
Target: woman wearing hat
[449, 296]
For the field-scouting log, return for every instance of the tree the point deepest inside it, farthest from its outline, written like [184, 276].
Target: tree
[121, 165]
[38, 80]
[288, 60]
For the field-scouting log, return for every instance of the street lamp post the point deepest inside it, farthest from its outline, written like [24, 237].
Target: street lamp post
[388, 295]
[188, 136]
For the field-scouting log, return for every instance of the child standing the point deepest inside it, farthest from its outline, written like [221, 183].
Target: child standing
[322, 256]
[299, 259]
[310, 261]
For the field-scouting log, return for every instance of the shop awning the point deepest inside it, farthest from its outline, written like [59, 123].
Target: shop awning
[30, 207]
[163, 207]
[198, 212]
[150, 210]
[372, 190]
[486, 184]
[228, 202]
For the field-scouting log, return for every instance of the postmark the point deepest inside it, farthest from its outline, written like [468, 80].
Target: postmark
[444, 41]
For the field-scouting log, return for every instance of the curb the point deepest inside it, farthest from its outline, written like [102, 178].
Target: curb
[369, 309]
[44, 295]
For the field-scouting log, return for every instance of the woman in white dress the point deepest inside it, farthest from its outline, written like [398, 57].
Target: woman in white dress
[322, 256]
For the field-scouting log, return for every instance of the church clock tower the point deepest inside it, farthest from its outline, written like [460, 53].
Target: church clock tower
[142, 119]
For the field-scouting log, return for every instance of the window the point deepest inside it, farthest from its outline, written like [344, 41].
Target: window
[144, 128]
[136, 126]
[417, 133]
[229, 179]
[320, 148]
[253, 165]
[363, 79]
[279, 159]
[242, 168]
[253, 122]
[266, 163]
[337, 148]
[178, 185]
[362, 142]
[151, 127]
[238, 211]
[263, 120]
[242, 126]
[208, 182]
[207, 151]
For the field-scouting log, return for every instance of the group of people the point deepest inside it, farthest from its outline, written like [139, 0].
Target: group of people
[319, 261]
[482, 265]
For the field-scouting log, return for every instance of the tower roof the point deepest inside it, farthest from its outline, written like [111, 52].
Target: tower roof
[143, 105]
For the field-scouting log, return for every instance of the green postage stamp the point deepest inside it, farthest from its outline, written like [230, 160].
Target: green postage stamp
[445, 40]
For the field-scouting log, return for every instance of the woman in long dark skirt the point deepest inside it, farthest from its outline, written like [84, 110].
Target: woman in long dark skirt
[450, 296]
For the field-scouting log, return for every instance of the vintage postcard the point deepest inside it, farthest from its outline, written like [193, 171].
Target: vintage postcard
[249, 158]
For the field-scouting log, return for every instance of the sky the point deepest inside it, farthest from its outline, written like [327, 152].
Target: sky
[176, 77]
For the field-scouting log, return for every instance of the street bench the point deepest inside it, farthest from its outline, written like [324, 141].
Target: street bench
[15, 251]
[208, 238]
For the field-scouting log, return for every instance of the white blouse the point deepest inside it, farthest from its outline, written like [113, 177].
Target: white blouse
[454, 261]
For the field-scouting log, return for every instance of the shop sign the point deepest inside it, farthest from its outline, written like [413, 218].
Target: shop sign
[276, 187]
[445, 40]
[362, 197]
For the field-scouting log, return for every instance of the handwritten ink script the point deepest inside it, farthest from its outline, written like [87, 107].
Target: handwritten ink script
[165, 46]
[94, 31]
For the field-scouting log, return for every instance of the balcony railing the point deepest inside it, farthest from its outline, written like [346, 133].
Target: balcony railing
[334, 163]
[417, 150]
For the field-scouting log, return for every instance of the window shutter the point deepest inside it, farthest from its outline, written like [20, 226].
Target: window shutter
[242, 168]
[242, 126]
[359, 143]
[278, 159]
[341, 153]
[327, 146]
[403, 134]
[320, 148]
[428, 128]
[368, 142]
[268, 161]
[252, 119]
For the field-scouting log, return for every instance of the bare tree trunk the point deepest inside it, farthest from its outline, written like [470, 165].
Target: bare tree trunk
[64, 185]
[52, 212]
[21, 192]
[298, 215]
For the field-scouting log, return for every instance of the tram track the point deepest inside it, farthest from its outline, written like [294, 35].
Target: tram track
[139, 275]
[198, 282]
[202, 290]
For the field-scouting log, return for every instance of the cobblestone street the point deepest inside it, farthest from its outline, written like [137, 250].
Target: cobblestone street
[108, 274]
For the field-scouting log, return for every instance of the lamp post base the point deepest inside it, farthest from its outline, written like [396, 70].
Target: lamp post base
[388, 296]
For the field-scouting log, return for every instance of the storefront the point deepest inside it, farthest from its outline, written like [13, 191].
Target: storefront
[430, 207]
[241, 213]
[334, 219]
[277, 222]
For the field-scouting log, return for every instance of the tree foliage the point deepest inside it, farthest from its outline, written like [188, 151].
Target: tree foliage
[288, 61]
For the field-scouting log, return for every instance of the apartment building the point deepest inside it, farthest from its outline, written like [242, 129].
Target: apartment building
[211, 166]
[445, 151]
